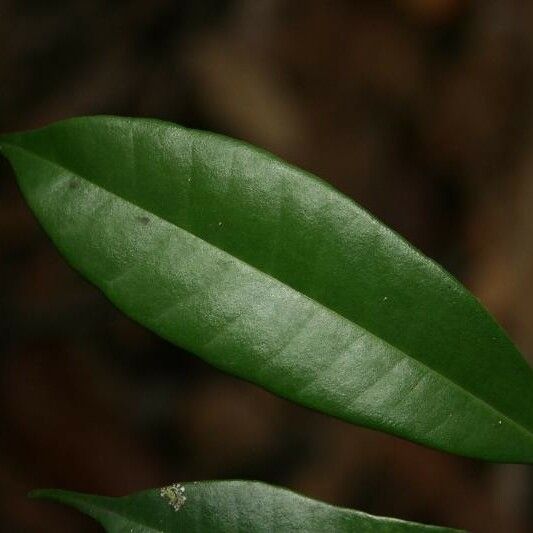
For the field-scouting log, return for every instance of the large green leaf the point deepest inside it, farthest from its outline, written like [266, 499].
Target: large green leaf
[223, 506]
[272, 275]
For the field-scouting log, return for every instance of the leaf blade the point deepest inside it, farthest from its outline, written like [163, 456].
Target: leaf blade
[270, 274]
[221, 506]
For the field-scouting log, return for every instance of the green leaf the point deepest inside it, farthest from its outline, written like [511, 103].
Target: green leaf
[270, 274]
[223, 506]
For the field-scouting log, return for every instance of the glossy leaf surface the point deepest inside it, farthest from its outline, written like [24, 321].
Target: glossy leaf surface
[223, 506]
[270, 274]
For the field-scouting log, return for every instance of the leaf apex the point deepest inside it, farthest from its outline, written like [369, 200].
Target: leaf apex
[45, 494]
[5, 138]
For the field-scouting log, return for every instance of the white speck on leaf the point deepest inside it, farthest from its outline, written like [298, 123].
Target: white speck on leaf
[174, 495]
[499, 422]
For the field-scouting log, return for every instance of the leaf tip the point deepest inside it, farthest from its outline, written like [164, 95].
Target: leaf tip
[43, 494]
[35, 494]
[4, 141]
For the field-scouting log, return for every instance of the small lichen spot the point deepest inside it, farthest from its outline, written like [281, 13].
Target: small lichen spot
[500, 422]
[174, 495]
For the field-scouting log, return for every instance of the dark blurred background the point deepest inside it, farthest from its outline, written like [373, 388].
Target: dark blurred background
[418, 109]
